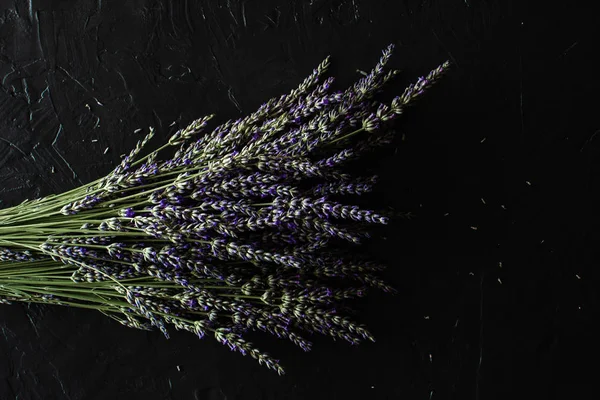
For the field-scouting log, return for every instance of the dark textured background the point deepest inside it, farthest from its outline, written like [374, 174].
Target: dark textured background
[497, 275]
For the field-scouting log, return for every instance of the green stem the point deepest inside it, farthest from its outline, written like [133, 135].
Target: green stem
[347, 135]
[40, 290]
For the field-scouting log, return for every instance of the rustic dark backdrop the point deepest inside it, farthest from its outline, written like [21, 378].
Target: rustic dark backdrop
[497, 274]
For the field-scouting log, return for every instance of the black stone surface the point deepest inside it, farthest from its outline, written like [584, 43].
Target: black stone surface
[498, 274]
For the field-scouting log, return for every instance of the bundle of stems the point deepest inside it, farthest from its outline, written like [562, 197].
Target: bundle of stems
[242, 229]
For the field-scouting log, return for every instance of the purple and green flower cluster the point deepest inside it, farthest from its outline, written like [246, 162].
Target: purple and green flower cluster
[242, 229]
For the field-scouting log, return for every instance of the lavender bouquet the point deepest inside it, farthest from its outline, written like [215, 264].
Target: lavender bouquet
[241, 230]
